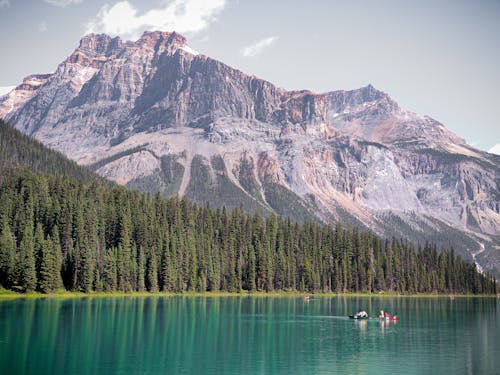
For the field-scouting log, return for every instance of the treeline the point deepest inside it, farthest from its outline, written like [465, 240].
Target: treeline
[59, 233]
[18, 150]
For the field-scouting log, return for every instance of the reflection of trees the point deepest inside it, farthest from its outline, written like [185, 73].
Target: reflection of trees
[241, 334]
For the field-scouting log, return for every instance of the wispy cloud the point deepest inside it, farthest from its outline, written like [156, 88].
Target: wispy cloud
[4, 4]
[62, 3]
[495, 149]
[256, 48]
[42, 27]
[123, 19]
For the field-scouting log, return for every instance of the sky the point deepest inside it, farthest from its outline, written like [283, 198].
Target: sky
[435, 57]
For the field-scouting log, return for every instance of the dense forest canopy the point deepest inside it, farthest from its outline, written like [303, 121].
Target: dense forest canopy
[64, 227]
[57, 232]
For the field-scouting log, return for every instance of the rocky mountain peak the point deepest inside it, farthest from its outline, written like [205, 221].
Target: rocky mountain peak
[153, 38]
[371, 114]
[95, 49]
[370, 93]
[342, 100]
[99, 44]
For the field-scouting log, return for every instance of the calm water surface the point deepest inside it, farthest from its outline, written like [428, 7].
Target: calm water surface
[248, 335]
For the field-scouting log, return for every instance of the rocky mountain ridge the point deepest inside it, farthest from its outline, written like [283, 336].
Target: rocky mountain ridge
[156, 115]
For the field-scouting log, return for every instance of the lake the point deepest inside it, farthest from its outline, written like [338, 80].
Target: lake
[248, 335]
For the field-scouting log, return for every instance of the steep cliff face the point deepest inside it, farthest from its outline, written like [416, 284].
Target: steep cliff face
[156, 115]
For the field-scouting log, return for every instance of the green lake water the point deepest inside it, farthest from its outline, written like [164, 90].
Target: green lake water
[248, 335]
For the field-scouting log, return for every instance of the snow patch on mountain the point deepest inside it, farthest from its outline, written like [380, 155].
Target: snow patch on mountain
[190, 50]
[495, 149]
[6, 89]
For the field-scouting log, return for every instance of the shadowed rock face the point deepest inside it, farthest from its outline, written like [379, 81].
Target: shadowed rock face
[156, 115]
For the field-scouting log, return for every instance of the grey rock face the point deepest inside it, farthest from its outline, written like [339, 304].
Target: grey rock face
[154, 114]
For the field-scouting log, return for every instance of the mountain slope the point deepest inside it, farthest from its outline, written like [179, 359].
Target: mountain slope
[156, 115]
[19, 151]
[68, 232]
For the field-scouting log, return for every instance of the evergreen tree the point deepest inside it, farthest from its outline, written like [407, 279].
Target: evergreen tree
[57, 282]
[7, 255]
[27, 266]
[109, 278]
[141, 268]
[152, 273]
[46, 261]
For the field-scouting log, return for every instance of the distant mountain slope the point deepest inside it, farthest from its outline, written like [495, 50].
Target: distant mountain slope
[156, 115]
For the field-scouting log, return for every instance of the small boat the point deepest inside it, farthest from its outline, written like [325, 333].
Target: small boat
[358, 317]
[385, 316]
[390, 317]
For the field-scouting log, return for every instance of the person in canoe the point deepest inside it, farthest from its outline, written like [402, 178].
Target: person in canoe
[362, 314]
[385, 315]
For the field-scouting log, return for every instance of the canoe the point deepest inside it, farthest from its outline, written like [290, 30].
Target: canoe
[391, 317]
[358, 317]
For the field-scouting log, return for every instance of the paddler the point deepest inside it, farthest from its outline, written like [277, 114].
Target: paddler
[362, 314]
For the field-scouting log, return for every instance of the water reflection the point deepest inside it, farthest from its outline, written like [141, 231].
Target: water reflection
[247, 335]
[361, 324]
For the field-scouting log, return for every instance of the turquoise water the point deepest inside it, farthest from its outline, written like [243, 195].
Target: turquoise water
[248, 335]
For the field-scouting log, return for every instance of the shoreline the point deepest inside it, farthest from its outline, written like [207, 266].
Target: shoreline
[10, 295]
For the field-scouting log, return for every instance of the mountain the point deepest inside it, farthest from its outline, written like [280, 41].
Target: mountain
[158, 116]
[62, 227]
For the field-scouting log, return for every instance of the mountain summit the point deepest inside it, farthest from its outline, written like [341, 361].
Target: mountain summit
[156, 115]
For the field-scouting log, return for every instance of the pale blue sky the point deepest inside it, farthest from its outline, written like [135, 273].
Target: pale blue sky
[440, 57]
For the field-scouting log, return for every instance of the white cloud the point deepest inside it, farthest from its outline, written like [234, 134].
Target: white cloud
[6, 89]
[256, 48]
[62, 3]
[42, 27]
[495, 149]
[4, 4]
[183, 16]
